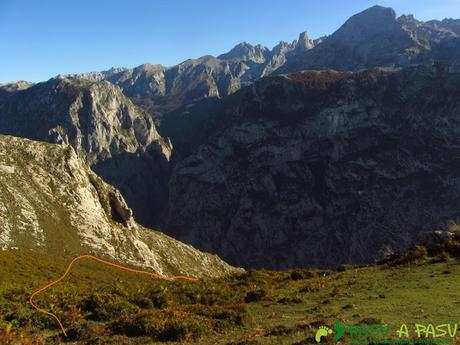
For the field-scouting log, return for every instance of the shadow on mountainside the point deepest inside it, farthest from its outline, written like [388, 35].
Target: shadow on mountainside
[143, 179]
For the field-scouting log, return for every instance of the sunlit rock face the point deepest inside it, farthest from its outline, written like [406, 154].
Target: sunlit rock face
[52, 203]
[112, 135]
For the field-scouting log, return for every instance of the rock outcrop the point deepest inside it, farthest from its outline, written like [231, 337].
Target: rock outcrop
[304, 42]
[247, 52]
[95, 118]
[15, 86]
[116, 138]
[434, 241]
[320, 168]
[53, 204]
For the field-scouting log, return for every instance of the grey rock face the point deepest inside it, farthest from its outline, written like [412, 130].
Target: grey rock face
[320, 168]
[15, 86]
[304, 42]
[95, 118]
[432, 32]
[103, 126]
[52, 203]
[245, 51]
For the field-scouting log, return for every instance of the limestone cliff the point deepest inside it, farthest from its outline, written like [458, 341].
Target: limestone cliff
[321, 167]
[53, 204]
[116, 138]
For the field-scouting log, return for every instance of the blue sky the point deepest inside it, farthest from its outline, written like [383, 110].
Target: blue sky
[41, 39]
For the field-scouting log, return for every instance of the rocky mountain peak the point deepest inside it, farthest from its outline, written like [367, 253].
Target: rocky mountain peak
[15, 86]
[283, 47]
[373, 21]
[149, 67]
[371, 38]
[375, 12]
[114, 70]
[304, 42]
[245, 51]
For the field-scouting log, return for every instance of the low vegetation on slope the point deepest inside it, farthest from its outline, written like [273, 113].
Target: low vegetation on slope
[100, 305]
[53, 204]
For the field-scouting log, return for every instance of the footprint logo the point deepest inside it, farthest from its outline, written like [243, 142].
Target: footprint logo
[323, 331]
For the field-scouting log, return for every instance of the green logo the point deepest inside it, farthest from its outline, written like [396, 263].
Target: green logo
[366, 334]
[339, 331]
[323, 331]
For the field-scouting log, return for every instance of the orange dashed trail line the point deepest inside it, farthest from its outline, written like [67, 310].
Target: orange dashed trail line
[108, 263]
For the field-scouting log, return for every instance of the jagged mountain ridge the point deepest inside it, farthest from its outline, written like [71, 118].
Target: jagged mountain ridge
[176, 97]
[161, 89]
[376, 37]
[320, 168]
[51, 203]
[15, 86]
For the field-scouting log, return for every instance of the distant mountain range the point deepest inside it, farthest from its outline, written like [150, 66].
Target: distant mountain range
[316, 152]
[163, 89]
[374, 37]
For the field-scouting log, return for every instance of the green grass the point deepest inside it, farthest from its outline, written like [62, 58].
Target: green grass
[100, 305]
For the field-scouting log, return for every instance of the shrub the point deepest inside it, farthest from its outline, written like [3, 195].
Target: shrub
[441, 257]
[311, 287]
[159, 300]
[244, 342]
[301, 274]
[255, 295]
[118, 309]
[344, 267]
[370, 321]
[418, 253]
[85, 330]
[453, 227]
[162, 325]
[104, 307]
[23, 337]
[250, 277]
[279, 331]
[94, 302]
[22, 315]
[233, 315]
[288, 300]
[453, 248]
[142, 302]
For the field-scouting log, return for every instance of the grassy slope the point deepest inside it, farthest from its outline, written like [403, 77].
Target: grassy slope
[99, 305]
[53, 204]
